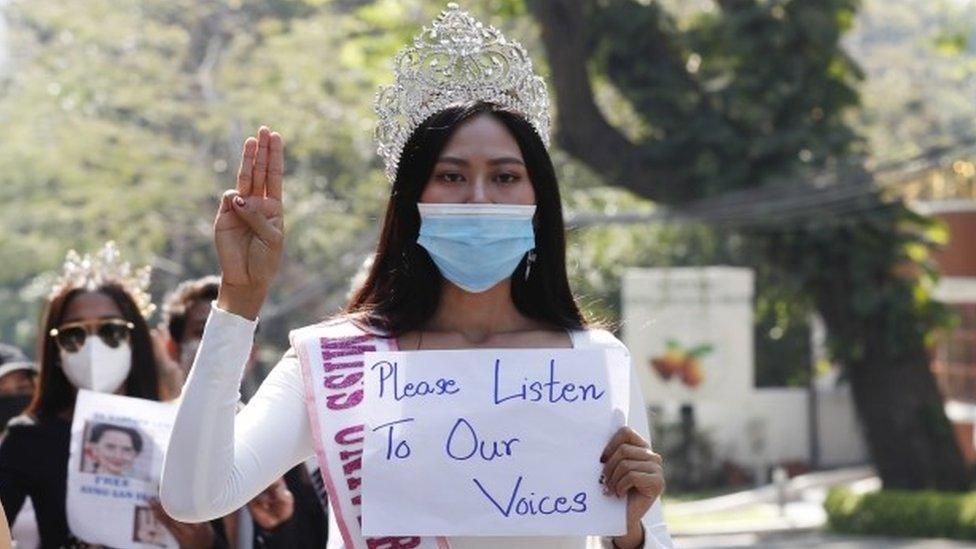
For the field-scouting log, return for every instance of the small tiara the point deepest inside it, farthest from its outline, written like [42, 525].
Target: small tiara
[89, 272]
[456, 60]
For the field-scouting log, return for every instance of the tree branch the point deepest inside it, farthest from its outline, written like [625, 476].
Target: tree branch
[582, 129]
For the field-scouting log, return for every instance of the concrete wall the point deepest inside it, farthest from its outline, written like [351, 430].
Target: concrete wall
[754, 427]
[691, 306]
[841, 437]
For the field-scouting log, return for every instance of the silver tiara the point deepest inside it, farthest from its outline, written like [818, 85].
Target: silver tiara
[90, 271]
[456, 60]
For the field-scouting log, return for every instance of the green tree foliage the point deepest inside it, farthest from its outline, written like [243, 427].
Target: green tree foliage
[129, 119]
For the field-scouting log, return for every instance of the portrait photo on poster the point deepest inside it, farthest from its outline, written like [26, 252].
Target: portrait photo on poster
[116, 449]
[114, 466]
[146, 528]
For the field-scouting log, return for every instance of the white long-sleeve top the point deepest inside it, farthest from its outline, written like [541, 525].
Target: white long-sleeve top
[218, 459]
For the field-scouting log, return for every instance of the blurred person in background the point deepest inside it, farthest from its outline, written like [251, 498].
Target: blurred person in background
[185, 312]
[288, 513]
[93, 336]
[17, 382]
[18, 379]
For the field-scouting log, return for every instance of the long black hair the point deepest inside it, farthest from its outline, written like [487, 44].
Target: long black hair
[402, 290]
[55, 394]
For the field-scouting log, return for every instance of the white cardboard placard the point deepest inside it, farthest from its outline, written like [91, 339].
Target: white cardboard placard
[491, 442]
[111, 479]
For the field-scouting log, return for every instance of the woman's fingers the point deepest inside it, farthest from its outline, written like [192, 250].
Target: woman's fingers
[262, 165]
[649, 483]
[276, 165]
[624, 434]
[246, 169]
[226, 215]
[267, 229]
[627, 452]
[626, 457]
[628, 465]
[226, 201]
[260, 175]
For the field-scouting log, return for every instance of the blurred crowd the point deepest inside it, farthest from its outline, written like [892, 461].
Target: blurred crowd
[94, 334]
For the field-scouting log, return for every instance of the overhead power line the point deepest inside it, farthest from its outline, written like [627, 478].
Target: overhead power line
[790, 203]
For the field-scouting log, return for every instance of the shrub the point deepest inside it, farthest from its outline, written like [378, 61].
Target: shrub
[902, 513]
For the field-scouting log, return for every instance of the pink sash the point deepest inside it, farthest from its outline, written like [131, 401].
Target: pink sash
[331, 357]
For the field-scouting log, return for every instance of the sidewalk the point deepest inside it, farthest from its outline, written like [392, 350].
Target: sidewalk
[813, 539]
[769, 493]
[796, 506]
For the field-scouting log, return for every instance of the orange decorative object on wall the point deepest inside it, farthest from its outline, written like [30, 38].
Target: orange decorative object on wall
[683, 363]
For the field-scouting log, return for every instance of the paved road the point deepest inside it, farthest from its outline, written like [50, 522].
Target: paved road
[814, 539]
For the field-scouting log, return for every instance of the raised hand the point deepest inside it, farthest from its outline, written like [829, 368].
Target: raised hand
[249, 229]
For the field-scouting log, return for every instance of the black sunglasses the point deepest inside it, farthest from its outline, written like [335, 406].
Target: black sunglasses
[71, 336]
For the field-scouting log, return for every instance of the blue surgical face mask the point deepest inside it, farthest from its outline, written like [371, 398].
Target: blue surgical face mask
[476, 246]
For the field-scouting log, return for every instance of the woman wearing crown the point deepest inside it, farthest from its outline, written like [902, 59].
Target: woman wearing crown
[94, 336]
[463, 133]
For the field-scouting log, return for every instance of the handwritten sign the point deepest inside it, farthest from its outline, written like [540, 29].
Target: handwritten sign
[491, 442]
[117, 446]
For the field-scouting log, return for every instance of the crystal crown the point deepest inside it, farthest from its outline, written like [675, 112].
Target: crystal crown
[88, 272]
[456, 60]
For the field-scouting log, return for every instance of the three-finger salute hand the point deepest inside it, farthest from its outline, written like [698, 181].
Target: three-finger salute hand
[249, 229]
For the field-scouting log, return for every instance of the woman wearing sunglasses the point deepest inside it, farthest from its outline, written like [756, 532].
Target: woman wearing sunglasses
[94, 336]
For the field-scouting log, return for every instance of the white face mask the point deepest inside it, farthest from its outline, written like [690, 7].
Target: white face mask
[188, 352]
[96, 366]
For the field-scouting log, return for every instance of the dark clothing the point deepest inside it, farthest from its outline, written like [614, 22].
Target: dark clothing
[34, 463]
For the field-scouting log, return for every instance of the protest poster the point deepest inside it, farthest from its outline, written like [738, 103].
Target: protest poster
[117, 446]
[491, 442]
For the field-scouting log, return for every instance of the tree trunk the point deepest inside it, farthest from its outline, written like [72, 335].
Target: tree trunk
[909, 437]
[882, 346]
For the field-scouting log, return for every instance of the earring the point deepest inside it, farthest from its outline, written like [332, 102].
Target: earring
[528, 263]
